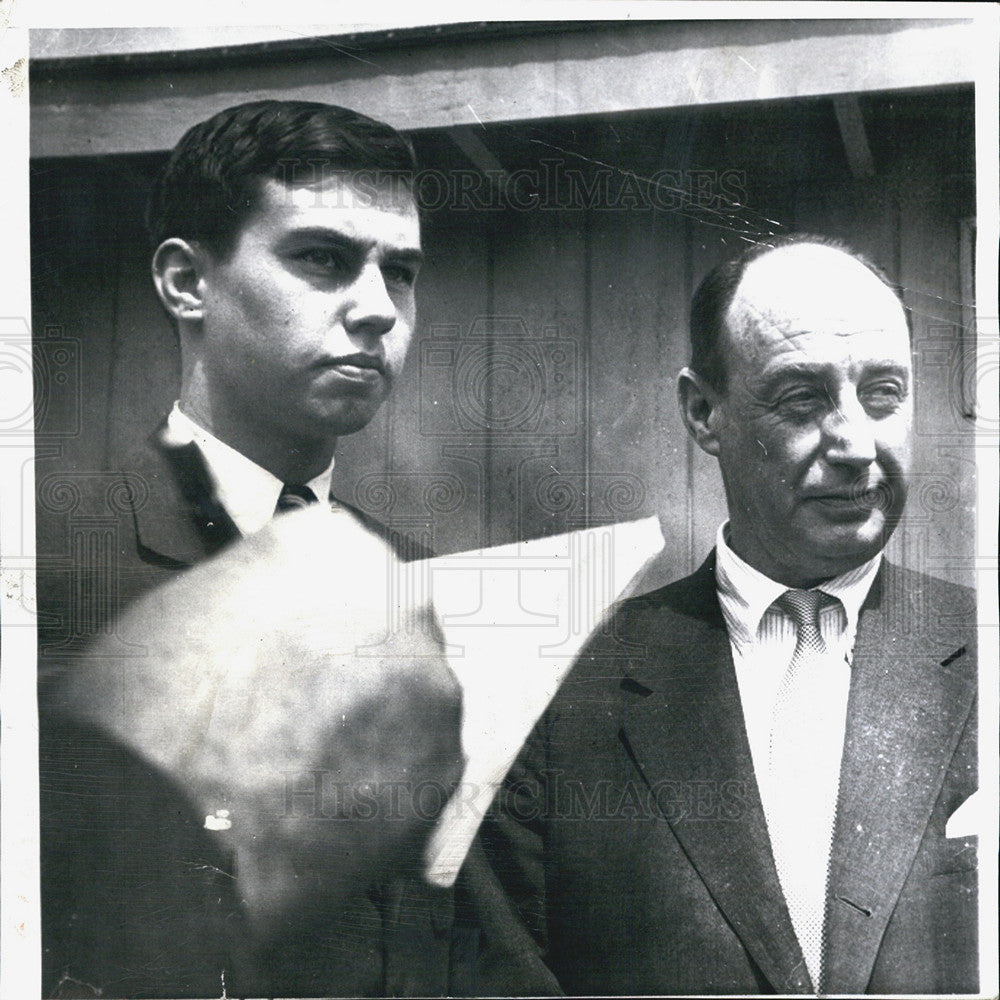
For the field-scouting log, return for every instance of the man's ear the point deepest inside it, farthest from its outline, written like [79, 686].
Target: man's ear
[177, 274]
[699, 403]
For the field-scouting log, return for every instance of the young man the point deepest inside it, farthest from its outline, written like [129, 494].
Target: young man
[747, 789]
[176, 857]
[286, 248]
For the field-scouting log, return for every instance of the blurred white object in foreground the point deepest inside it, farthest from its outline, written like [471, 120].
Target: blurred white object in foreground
[514, 619]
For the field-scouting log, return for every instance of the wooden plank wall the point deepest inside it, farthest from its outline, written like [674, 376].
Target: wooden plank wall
[540, 393]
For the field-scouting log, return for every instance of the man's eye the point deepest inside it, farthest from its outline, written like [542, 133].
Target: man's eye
[321, 258]
[883, 395]
[399, 274]
[801, 401]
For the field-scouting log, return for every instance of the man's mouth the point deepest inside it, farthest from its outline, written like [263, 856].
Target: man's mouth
[862, 499]
[360, 366]
[841, 500]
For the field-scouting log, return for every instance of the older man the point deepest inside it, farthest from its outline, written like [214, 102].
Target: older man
[746, 788]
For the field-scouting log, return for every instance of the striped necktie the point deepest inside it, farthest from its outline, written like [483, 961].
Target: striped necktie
[804, 769]
[294, 498]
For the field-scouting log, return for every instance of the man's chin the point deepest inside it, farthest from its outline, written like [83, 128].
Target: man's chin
[349, 419]
[843, 547]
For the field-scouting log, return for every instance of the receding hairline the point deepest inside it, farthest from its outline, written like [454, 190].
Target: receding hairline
[709, 327]
[852, 263]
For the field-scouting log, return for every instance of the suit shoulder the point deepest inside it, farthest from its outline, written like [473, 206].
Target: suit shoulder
[945, 590]
[694, 594]
[937, 616]
[941, 601]
[690, 599]
[653, 625]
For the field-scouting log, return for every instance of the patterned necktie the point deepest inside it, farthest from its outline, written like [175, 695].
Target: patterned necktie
[294, 498]
[804, 770]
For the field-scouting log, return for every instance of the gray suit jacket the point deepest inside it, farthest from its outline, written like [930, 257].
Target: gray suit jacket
[632, 839]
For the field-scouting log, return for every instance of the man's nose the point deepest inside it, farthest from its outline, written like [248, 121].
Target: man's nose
[849, 433]
[370, 309]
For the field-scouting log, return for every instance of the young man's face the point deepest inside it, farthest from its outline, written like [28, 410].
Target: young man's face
[307, 321]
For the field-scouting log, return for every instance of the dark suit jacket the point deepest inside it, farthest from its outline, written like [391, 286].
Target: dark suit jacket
[631, 834]
[138, 899]
[105, 539]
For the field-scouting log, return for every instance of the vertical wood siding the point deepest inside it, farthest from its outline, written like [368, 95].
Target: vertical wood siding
[540, 390]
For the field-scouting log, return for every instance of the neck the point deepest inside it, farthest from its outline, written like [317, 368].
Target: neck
[793, 576]
[290, 460]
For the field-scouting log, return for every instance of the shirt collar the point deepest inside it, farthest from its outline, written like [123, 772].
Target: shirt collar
[745, 593]
[248, 492]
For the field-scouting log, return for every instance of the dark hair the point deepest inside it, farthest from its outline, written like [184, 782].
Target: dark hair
[212, 180]
[717, 290]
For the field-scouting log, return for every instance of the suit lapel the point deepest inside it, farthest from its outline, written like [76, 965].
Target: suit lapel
[683, 727]
[910, 697]
[178, 521]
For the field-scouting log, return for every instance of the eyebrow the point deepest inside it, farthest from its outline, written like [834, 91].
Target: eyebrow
[332, 237]
[817, 371]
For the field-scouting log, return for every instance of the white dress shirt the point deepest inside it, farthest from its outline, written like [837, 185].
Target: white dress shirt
[762, 638]
[248, 493]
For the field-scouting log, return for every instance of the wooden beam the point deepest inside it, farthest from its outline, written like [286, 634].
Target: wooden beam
[465, 137]
[607, 68]
[852, 132]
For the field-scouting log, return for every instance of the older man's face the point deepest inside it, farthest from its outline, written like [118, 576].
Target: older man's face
[814, 427]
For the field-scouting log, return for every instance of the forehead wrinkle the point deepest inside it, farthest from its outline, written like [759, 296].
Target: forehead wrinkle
[745, 317]
[749, 327]
[747, 324]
